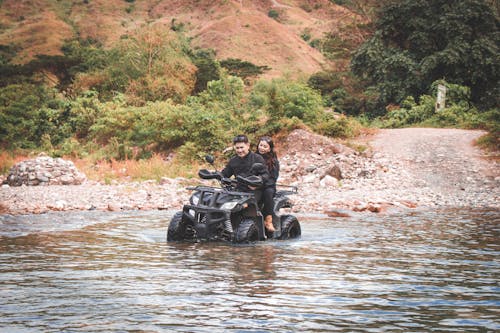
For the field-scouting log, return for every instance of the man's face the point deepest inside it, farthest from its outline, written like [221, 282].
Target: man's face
[242, 148]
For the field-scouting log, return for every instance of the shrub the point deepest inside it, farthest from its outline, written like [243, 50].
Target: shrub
[455, 93]
[306, 7]
[339, 126]
[224, 96]
[280, 98]
[454, 116]
[85, 110]
[340, 90]
[282, 126]
[273, 13]
[306, 35]
[457, 113]
[26, 115]
[243, 69]
[208, 69]
[490, 121]
[151, 64]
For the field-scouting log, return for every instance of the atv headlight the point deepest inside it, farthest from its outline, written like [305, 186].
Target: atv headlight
[195, 199]
[229, 205]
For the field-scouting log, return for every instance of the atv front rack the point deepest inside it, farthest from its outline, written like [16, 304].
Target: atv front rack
[213, 189]
[286, 189]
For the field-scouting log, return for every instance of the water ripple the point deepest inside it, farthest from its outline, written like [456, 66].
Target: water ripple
[98, 272]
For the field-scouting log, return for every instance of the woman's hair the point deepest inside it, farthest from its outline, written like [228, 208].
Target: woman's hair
[271, 161]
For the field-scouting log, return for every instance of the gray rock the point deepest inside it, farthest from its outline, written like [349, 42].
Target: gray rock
[44, 170]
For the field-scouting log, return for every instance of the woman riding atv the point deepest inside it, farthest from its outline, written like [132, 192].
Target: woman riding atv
[265, 148]
[241, 165]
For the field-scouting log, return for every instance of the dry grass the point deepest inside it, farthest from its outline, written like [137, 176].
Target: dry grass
[106, 171]
[234, 29]
[8, 159]
[39, 34]
[135, 170]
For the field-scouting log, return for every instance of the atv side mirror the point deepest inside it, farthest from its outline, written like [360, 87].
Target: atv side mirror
[210, 159]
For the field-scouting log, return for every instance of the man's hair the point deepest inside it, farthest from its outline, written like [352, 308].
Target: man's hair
[240, 138]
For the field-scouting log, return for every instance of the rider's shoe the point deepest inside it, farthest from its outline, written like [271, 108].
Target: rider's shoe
[268, 223]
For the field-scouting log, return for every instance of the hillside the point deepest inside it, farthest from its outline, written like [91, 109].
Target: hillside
[235, 29]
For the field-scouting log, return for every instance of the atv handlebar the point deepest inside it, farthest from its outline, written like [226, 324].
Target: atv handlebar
[205, 174]
[255, 181]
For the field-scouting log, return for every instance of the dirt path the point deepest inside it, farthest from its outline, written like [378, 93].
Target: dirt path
[444, 158]
[418, 167]
[277, 4]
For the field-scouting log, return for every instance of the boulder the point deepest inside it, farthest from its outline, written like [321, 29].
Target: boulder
[333, 171]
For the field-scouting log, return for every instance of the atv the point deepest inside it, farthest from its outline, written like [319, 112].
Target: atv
[225, 214]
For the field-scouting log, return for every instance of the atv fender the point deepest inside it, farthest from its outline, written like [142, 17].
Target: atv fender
[281, 202]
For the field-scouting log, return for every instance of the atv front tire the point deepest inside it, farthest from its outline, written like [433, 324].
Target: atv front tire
[247, 232]
[290, 227]
[176, 228]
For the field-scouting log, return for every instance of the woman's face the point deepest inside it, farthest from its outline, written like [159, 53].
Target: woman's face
[264, 147]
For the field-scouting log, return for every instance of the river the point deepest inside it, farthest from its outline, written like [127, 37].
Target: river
[413, 271]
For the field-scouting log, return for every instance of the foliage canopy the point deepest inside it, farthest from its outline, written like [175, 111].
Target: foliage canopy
[420, 41]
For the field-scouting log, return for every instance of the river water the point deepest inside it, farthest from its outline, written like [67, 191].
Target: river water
[414, 271]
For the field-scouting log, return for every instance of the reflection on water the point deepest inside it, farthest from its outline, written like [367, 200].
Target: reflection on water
[418, 271]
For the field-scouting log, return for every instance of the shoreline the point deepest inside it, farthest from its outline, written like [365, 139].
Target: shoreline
[403, 169]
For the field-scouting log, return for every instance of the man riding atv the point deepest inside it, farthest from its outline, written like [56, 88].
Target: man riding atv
[244, 164]
[232, 212]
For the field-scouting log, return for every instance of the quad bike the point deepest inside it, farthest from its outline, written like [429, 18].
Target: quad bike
[225, 214]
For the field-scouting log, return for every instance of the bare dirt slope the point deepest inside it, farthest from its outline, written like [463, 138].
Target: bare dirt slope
[233, 28]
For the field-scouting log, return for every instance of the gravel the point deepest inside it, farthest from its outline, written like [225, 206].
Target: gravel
[403, 169]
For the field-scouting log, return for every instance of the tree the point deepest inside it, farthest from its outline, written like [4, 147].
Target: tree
[241, 68]
[27, 113]
[208, 68]
[420, 41]
[151, 64]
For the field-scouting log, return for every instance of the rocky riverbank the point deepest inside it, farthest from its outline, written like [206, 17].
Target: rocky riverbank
[404, 168]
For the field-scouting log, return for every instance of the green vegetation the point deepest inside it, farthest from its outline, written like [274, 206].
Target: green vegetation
[413, 46]
[208, 68]
[458, 113]
[417, 42]
[152, 64]
[152, 95]
[243, 69]
[273, 13]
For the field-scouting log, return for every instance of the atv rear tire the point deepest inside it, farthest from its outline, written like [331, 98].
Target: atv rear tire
[176, 228]
[290, 227]
[247, 232]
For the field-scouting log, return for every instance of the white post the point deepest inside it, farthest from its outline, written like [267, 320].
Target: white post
[441, 98]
